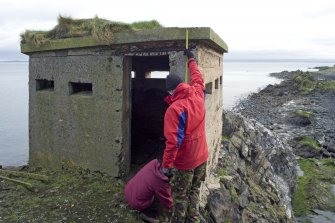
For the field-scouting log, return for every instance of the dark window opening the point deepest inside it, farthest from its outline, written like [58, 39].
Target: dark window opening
[209, 88]
[44, 84]
[220, 79]
[217, 84]
[80, 88]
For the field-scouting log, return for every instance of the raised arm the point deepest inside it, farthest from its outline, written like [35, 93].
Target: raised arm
[196, 78]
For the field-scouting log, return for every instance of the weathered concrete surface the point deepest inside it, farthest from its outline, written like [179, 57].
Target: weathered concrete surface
[78, 128]
[94, 130]
[211, 66]
[141, 36]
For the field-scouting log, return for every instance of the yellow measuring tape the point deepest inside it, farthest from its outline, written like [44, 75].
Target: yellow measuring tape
[186, 70]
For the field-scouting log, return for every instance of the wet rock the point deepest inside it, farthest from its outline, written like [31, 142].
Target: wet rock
[326, 154]
[330, 147]
[260, 172]
[220, 206]
[299, 120]
[243, 199]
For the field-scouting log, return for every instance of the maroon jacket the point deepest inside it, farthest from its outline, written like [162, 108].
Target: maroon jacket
[147, 184]
[184, 124]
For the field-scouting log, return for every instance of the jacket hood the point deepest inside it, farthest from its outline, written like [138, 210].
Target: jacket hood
[183, 90]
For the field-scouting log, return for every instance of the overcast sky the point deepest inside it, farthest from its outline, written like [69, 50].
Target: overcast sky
[253, 29]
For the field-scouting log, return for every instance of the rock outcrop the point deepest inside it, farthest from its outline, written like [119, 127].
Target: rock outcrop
[257, 175]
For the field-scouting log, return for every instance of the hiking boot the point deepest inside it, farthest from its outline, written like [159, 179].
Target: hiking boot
[148, 219]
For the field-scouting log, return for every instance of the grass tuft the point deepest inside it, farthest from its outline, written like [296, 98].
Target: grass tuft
[314, 188]
[100, 29]
[303, 113]
[306, 140]
[305, 82]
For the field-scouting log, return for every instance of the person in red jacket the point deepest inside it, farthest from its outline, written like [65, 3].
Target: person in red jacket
[186, 148]
[149, 186]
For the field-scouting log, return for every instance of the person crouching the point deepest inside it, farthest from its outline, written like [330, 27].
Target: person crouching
[150, 190]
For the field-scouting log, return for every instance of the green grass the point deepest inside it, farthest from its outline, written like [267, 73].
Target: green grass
[314, 188]
[145, 25]
[305, 82]
[73, 195]
[224, 138]
[306, 140]
[321, 68]
[303, 113]
[222, 174]
[233, 195]
[327, 85]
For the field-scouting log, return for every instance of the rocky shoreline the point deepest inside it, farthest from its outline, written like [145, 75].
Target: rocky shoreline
[276, 164]
[301, 112]
[257, 175]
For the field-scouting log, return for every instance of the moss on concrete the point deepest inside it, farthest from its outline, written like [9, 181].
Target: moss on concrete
[70, 34]
[73, 195]
[314, 188]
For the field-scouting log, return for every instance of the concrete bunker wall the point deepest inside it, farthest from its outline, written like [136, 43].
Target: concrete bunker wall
[89, 124]
[211, 66]
[82, 127]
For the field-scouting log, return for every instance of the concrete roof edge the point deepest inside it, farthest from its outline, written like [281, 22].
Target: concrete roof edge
[146, 35]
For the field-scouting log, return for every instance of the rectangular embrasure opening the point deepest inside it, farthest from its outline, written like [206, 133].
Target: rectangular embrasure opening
[217, 83]
[44, 84]
[80, 88]
[209, 88]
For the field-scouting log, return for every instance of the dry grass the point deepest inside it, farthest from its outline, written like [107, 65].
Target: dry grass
[101, 30]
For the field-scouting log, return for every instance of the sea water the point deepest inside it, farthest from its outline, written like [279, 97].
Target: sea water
[13, 113]
[240, 78]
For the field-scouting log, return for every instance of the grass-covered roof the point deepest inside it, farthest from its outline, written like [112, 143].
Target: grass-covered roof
[101, 30]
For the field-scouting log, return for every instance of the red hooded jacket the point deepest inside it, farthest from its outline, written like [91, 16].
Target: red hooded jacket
[184, 124]
[147, 184]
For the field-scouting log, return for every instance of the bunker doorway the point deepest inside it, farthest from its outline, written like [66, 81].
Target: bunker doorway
[148, 108]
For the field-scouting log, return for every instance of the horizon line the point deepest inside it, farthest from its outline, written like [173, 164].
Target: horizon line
[241, 59]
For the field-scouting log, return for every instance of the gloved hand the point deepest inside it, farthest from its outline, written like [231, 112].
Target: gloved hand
[167, 172]
[188, 53]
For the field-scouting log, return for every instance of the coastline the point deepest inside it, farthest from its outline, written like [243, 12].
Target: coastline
[65, 197]
[300, 110]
